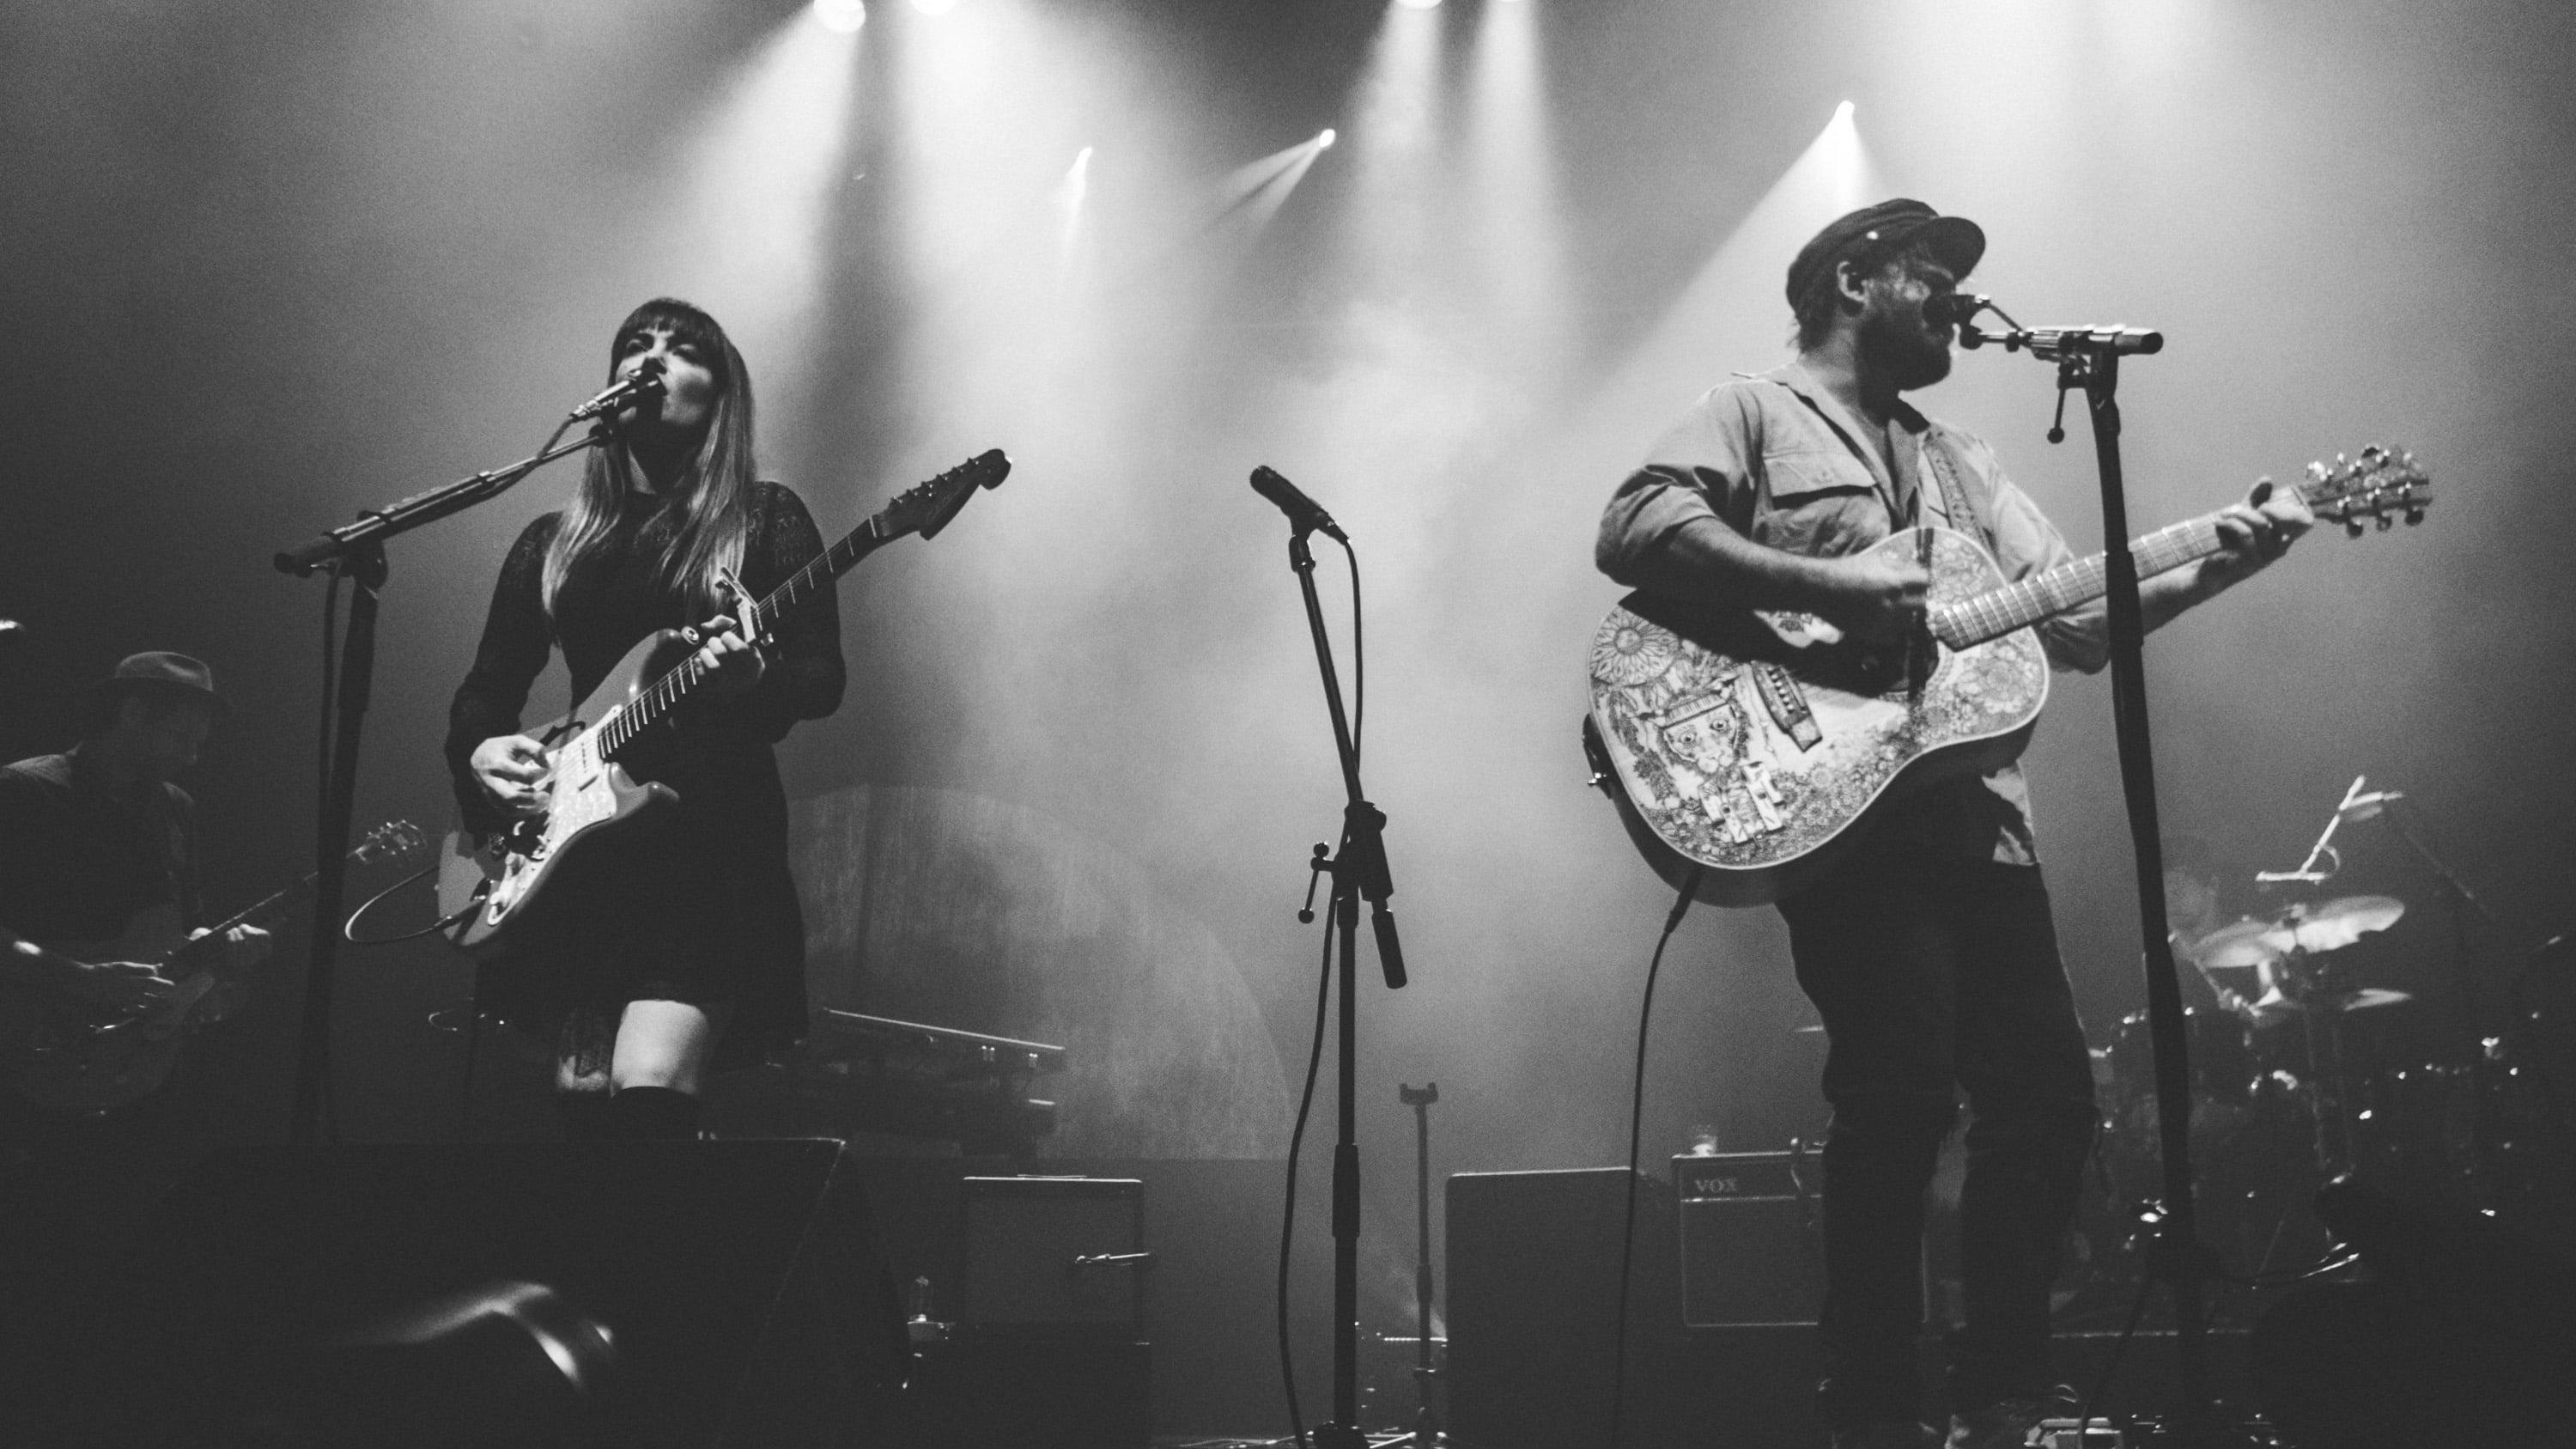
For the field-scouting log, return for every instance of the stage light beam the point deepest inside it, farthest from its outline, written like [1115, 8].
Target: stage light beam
[841, 16]
[748, 222]
[1515, 245]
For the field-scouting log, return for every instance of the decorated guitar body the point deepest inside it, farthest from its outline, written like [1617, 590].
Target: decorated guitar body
[490, 888]
[1754, 745]
[1756, 748]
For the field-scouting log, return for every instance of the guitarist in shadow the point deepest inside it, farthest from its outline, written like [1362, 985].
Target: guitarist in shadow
[1929, 951]
[96, 837]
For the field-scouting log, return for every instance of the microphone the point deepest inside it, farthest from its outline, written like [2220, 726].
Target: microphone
[1305, 515]
[1955, 310]
[644, 382]
[2118, 337]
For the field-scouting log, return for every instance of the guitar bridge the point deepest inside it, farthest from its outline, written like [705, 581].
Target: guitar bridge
[1788, 705]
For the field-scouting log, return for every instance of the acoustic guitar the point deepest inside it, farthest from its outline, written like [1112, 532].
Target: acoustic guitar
[1757, 746]
[492, 886]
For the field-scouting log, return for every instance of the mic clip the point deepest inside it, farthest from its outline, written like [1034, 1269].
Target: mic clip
[644, 382]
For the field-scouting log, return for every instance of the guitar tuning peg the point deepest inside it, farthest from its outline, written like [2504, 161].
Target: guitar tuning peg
[2352, 528]
[2414, 516]
[2386, 523]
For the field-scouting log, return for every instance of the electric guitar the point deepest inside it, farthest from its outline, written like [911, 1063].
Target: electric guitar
[1756, 746]
[491, 886]
[69, 1059]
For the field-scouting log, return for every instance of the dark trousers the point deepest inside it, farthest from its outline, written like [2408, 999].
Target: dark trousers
[1933, 977]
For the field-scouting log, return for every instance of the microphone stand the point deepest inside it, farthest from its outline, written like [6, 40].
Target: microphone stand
[356, 551]
[2088, 358]
[1358, 870]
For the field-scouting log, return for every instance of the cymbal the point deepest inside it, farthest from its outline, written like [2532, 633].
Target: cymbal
[2274, 1004]
[2317, 929]
[2238, 945]
[2333, 925]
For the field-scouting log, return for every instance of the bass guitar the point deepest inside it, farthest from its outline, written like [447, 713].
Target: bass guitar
[68, 1059]
[489, 887]
[1756, 746]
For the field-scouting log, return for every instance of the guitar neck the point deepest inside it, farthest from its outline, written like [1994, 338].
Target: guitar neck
[257, 913]
[1998, 612]
[665, 693]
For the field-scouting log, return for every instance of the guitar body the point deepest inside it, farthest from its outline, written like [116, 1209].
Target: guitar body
[67, 1059]
[497, 885]
[58, 1052]
[1758, 748]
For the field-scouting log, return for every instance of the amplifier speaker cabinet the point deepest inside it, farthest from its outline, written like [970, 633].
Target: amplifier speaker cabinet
[1055, 1256]
[1747, 1258]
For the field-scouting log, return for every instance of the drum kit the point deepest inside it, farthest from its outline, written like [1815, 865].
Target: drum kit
[2294, 1076]
[2284, 1093]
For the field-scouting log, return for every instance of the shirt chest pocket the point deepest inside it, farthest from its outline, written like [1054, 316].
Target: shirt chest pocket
[1819, 504]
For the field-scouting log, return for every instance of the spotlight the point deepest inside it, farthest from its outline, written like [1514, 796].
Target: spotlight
[843, 16]
[1324, 138]
[1843, 112]
[1418, 4]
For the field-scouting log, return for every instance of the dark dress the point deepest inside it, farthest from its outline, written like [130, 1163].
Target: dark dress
[692, 902]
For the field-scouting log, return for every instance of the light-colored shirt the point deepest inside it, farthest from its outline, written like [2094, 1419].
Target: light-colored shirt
[1783, 463]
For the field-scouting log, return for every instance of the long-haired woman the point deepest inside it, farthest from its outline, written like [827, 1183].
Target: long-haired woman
[679, 946]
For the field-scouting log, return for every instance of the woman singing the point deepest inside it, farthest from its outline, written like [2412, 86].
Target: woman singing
[680, 946]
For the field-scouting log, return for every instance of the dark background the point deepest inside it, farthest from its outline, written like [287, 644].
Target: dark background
[272, 263]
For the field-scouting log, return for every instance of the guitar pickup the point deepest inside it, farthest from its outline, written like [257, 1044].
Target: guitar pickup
[1788, 705]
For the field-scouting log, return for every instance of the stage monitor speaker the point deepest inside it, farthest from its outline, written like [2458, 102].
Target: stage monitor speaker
[1533, 1308]
[1747, 1261]
[736, 1286]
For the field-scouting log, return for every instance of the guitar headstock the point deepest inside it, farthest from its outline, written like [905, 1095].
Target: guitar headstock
[2380, 484]
[925, 508]
[395, 842]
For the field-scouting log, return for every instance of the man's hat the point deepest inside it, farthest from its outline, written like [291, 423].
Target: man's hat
[162, 673]
[1884, 229]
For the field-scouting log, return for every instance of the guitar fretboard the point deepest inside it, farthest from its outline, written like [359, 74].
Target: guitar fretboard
[1998, 612]
[664, 694]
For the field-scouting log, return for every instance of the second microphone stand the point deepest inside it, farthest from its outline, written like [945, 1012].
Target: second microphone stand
[1359, 871]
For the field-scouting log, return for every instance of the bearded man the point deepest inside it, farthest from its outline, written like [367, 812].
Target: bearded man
[1929, 951]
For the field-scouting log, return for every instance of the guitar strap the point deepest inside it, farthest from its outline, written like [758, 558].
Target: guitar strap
[1956, 500]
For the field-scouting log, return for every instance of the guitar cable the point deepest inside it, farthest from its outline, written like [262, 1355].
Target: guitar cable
[1636, 1116]
[1323, 1000]
[349, 927]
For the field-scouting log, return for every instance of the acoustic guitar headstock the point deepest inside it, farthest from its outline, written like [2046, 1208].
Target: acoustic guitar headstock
[2381, 484]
